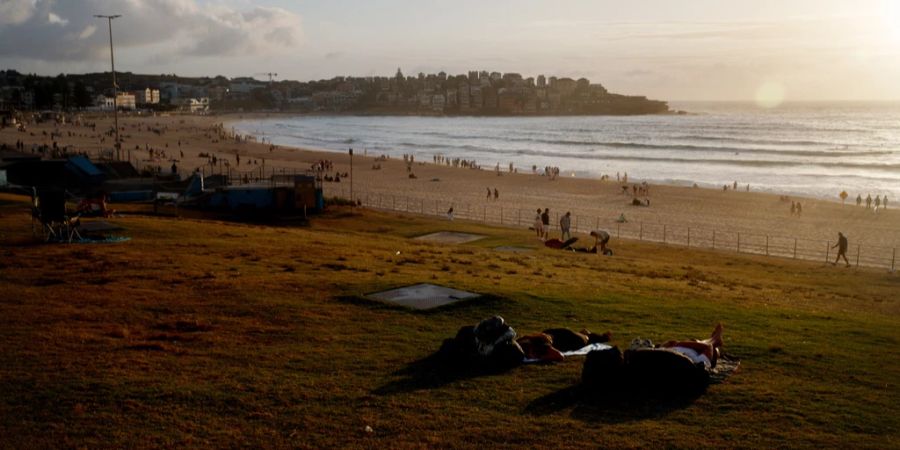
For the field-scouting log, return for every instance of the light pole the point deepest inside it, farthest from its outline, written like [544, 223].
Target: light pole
[112, 61]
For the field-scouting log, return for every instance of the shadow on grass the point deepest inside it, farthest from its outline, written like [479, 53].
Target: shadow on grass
[434, 372]
[612, 407]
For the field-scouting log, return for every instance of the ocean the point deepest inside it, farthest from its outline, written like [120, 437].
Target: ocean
[808, 149]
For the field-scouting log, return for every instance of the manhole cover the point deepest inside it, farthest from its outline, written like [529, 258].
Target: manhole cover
[423, 296]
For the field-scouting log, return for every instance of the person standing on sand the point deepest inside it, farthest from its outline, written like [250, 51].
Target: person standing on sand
[868, 201]
[793, 208]
[488, 193]
[545, 223]
[496, 194]
[858, 200]
[450, 214]
[842, 249]
[885, 202]
[538, 224]
[799, 209]
[877, 201]
[564, 224]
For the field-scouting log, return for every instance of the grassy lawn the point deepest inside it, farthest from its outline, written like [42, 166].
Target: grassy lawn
[211, 334]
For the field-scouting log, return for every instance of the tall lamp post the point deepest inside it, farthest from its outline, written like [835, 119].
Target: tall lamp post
[112, 61]
[351, 175]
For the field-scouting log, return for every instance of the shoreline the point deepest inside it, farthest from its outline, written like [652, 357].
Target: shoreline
[755, 211]
[229, 122]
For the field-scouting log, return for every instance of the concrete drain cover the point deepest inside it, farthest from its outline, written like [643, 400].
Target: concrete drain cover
[422, 296]
[449, 237]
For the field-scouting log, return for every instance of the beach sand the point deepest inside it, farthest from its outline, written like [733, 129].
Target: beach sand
[594, 203]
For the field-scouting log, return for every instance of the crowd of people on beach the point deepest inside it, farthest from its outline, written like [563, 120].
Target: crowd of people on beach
[879, 202]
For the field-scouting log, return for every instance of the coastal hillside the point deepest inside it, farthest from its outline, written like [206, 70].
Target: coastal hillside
[202, 333]
[478, 93]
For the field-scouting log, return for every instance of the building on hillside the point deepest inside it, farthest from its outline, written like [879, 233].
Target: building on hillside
[147, 96]
[193, 105]
[126, 100]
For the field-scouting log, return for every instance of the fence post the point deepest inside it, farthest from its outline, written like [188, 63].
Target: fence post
[519, 216]
[484, 214]
[597, 227]
[393, 202]
[423, 206]
[767, 245]
[664, 233]
[714, 239]
[893, 258]
[739, 242]
[827, 251]
[641, 235]
[689, 237]
[618, 230]
[576, 224]
[795, 248]
[857, 255]
[501, 215]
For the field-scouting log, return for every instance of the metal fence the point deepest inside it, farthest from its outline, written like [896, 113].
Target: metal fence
[669, 234]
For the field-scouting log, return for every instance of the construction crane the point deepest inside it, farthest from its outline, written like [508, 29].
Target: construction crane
[271, 76]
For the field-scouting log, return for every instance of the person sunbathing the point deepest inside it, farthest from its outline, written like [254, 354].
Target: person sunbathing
[706, 351]
[539, 346]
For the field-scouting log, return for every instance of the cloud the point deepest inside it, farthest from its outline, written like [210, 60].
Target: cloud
[65, 31]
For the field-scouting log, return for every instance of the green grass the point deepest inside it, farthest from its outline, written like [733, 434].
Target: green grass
[211, 334]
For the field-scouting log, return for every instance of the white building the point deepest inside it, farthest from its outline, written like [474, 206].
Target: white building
[147, 96]
[193, 105]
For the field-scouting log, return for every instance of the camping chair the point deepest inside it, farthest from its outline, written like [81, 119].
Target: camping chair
[56, 223]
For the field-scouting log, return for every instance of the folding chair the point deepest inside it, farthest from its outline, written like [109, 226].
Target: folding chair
[56, 223]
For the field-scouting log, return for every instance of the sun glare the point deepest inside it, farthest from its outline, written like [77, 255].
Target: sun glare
[770, 94]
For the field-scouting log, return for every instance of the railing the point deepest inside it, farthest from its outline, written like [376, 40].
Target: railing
[669, 234]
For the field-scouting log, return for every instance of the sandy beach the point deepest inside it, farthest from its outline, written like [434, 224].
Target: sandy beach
[436, 187]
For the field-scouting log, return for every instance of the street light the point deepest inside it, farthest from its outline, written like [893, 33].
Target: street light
[112, 61]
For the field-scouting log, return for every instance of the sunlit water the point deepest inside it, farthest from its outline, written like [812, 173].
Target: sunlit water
[805, 149]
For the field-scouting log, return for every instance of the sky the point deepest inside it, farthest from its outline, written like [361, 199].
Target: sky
[763, 50]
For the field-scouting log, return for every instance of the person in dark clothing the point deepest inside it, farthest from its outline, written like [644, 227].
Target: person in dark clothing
[842, 249]
[545, 221]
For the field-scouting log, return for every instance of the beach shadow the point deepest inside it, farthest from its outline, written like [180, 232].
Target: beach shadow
[435, 371]
[611, 407]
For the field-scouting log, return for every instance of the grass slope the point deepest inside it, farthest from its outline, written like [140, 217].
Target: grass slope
[203, 333]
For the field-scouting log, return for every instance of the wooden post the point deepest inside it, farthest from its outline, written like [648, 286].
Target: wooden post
[827, 251]
[576, 224]
[767, 245]
[795, 248]
[597, 227]
[893, 258]
[484, 214]
[501, 215]
[739, 242]
[393, 202]
[857, 255]
[641, 235]
[714, 239]
[519, 216]
[689, 237]
[618, 230]
[664, 233]
[423, 206]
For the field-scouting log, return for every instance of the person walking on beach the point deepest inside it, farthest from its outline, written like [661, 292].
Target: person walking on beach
[450, 214]
[496, 194]
[877, 201]
[885, 202]
[799, 209]
[488, 193]
[793, 208]
[545, 223]
[842, 249]
[538, 224]
[564, 224]
[868, 201]
[858, 199]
